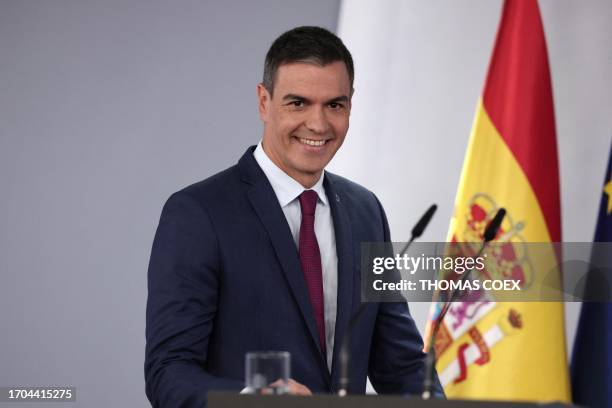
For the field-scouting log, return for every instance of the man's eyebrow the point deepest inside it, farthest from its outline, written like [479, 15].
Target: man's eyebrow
[291, 97]
[342, 98]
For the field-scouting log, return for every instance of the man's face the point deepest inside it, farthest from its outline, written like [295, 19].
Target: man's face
[306, 119]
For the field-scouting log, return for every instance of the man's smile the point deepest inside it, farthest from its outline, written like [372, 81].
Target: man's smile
[312, 142]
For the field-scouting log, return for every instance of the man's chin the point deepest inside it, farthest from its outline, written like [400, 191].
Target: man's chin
[304, 174]
[312, 162]
[312, 170]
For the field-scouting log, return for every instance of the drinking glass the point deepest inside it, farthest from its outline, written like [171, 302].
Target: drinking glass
[267, 372]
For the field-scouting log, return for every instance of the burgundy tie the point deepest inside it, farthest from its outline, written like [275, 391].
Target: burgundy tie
[310, 260]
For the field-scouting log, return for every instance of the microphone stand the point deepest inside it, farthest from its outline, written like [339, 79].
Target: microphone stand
[344, 354]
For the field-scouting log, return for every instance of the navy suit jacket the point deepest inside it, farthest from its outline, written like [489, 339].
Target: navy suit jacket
[225, 279]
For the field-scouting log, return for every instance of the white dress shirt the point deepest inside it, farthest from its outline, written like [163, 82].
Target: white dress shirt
[287, 191]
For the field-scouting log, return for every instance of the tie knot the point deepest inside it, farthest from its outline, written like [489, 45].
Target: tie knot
[308, 202]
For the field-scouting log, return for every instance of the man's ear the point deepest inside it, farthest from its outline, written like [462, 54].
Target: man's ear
[264, 102]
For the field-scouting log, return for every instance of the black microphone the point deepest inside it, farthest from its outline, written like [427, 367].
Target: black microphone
[345, 358]
[430, 361]
[419, 227]
[493, 227]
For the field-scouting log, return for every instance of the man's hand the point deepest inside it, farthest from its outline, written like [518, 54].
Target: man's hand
[294, 387]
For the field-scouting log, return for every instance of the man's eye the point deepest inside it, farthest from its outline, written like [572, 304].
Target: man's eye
[335, 105]
[297, 104]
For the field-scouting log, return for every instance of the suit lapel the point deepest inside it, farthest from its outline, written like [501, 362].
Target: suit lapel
[346, 278]
[264, 201]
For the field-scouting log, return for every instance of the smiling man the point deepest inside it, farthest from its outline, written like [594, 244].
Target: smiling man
[305, 124]
[265, 255]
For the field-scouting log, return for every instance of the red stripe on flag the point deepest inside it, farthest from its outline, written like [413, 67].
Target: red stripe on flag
[462, 364]
[518, 99]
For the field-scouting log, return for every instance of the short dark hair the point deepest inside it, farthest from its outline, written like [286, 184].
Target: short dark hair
[306, 44]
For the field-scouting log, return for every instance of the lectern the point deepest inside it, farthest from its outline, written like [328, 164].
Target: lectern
[230, 400]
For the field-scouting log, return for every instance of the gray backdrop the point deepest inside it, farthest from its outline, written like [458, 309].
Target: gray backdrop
[106, 108]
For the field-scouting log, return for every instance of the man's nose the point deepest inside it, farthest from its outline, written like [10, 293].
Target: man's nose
[317, 121]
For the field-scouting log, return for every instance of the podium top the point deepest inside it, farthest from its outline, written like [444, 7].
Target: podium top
[232, 400]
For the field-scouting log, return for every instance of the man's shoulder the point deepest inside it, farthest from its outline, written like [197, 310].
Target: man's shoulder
[228, 182]
[223, 181]
[219, 187]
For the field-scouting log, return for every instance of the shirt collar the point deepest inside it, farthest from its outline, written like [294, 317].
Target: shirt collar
[286, 188]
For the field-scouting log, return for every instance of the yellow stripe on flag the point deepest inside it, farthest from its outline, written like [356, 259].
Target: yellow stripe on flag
[513, 351]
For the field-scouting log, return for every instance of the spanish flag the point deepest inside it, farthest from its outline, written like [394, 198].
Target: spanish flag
[504, 350]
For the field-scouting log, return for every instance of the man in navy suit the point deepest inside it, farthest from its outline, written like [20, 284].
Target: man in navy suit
[265, 255]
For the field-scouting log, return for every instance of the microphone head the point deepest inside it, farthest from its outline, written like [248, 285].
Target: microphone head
[493, 227]
[418, 229]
